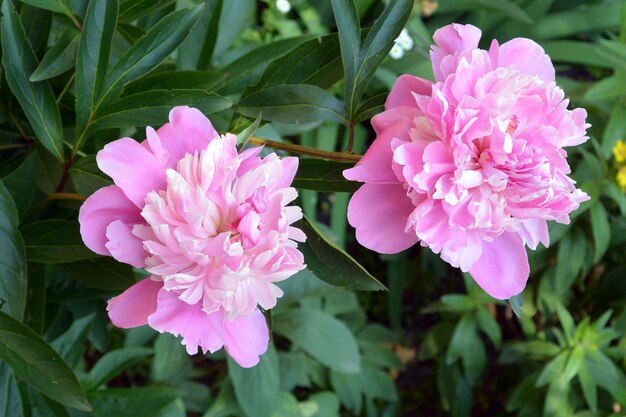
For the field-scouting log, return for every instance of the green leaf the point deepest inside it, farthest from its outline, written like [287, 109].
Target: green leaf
[12, 258]
[70, 344]
[245, 134]
[589, 386]
[314, 62]
[153, 107]
[332, 264]
[293, 104]
[348, 389]
[576, 52]
[258, 387]
[376, 47]
[101, 272]
[506, 7]
[607, 88]
[34, 361]
[87, 177]
[322, 336]
[615, 129]
[176, 80]
[553, 370]
[488, 324]
[516, 303]
[581, 19]
[112, 364]
[349, 30]
[149, 51]
[58, 6]
[567, 323]
[324, 176]
[457, 302]
[327, 404]
[134, 9]
[614, 192]
[196, 52]
[601, 230]
[574, 362]
[170, 358]
[55, 241]
[131, 402]
[569, 260]
[246, 70]
[60, 58]
[22, 183]
[464, 331]
[36, 99]
[10, 398]
[377, 384]
[92, 57]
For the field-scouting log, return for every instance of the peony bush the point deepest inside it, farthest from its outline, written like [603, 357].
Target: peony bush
[211, 208]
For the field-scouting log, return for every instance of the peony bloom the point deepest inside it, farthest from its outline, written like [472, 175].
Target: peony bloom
[473, 164]
[211, 226]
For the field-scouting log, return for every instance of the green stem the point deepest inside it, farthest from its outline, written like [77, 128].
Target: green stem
[305, 150]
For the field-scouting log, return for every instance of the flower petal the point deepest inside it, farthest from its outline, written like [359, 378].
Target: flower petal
[124, 246]
[101, 209]
[133, 306]
[502, 270]
[402, 93]
[197, 327]
[187, 132]
[376, 164]
[134, 169]
[450, 40]
[379, 213]
[528, 58]
[246, 338]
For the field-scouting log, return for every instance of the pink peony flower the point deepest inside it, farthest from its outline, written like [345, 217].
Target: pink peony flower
[473, 164]
[212, 227]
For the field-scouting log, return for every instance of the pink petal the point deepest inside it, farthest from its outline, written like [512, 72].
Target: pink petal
[124, 246]
[502, 269]
[450, 40]
[133, 306]
[198, 328]
[528, 58]
[134, 169]
[375, 166]
[379, 213]
[187, 132]
[101, 209]
[533, 231]
[247, 338]
[402, 92]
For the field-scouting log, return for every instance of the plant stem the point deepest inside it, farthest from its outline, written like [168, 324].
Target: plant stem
[350, 137]
[13, 146]
[67, 196]
[305, 150]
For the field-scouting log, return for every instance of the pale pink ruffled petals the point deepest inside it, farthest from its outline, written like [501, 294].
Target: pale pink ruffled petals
[381, 226]
[103, 207]
[502, 270]
[479, 159]
[245, 339]
[211, 225]
[133, 306]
